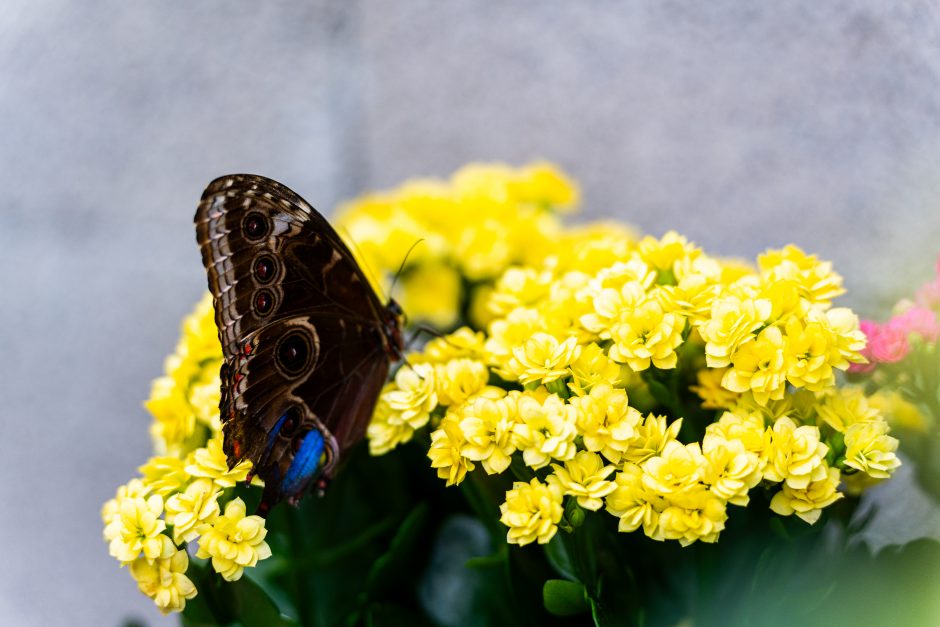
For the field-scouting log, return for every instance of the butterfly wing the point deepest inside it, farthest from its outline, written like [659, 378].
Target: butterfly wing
[305, 338]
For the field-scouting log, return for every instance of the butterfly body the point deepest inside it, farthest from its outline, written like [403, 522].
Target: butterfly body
[307, 343]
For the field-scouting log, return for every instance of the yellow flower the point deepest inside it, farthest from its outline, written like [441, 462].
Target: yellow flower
[795, 455]
[609, 303]
[164, 580]
[431, 292]
[807, 354]
[191, 511]
[486, 424]
[542, 358]
[847, 340]
[112, 507]
[591, 368]
[585, 477]
[542, 183]
[652, 436]
[899, 411]
[234, 541]
[205, 394]
[857, 482]
[566, 303]
[211, 462]
[869, 448]
[732, 469]
[845, 407]
[747, 427]
[664, 253]
[544, 430]
[733, 322]
[519, 287]
[513, 330]
[414, 396]
[483, 249]
[188, 393]
[733, 270]
[815, 280]
[606, 421]
[646, 334]
[462, 343]
[633, 503]
[691, 297]
[174, 419]
[532, 511]
[677, 472]
[709, 389]
[164, 475]
[387, 430]
[447, 441]
[459, 379]
[700, 518]
[807, 502]
[760, 366]
[618, 275]
[137, 529]
[595, 245]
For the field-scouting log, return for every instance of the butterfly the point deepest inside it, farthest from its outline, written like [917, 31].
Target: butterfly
[306, 341]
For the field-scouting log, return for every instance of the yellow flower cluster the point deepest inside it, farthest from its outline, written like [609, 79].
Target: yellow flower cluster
[605, 371]
[471, 227]
[179, 496]
[185, 401]
[583, 339]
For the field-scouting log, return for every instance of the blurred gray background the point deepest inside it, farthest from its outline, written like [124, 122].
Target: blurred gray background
[743, 125]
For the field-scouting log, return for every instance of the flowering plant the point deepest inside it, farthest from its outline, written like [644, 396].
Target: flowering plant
[903, 371]
[668, 430]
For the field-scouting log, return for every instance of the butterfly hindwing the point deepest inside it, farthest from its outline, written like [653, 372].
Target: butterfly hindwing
[306, 341]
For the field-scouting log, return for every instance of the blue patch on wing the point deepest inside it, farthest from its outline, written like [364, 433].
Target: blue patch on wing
[305, 464]
[272, 435]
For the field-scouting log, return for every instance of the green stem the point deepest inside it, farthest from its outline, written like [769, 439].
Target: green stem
[480, 501]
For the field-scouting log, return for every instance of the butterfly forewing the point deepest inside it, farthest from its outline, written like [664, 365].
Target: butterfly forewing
[307, 343]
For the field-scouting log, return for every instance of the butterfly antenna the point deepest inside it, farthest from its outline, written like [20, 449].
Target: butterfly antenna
[421, 329]
[402, 266]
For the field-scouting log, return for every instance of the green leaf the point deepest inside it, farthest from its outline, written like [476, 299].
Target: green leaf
[221, 602]
[463, 582]
[385, 572]
[777, 526]
[211, 604]
[564, 598]
[660, 392]
[558, 557]
[254, 607]
[483, 562]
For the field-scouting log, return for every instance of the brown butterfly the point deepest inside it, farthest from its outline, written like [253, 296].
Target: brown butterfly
[306, 340]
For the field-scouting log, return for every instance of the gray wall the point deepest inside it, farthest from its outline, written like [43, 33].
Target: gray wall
[742, 124]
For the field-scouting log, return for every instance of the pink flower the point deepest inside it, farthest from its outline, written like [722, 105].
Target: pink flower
[929, 294]
[917, 321]
[888, 343]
